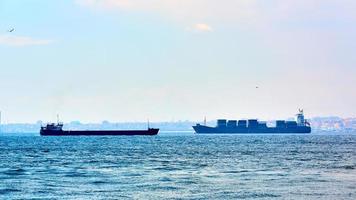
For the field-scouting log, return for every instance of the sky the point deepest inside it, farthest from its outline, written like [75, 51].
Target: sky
[130, 60]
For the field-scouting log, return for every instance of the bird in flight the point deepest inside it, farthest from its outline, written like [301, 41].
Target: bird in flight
[11, 30]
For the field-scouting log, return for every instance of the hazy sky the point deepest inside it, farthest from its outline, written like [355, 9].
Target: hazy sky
[129, 60]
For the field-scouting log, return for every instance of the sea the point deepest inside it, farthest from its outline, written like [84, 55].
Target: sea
[178, 165]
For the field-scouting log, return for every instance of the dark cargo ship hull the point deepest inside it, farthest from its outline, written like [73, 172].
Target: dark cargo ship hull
[219, 130]
[98, 132]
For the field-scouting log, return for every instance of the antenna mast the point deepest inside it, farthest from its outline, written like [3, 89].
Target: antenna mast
[57, 118]
[148, 123]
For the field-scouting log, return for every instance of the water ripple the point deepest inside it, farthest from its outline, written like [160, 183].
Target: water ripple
[179, 167]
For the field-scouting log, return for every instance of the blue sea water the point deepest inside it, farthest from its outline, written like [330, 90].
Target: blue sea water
[179, 166]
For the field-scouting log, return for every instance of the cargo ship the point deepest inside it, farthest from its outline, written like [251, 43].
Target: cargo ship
[300, 126]
[56, 129]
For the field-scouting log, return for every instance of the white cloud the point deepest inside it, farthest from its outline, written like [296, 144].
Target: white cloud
[22, 41]
[203, 27]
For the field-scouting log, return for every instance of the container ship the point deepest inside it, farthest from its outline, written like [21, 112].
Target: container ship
[300, 126]
[53, 129]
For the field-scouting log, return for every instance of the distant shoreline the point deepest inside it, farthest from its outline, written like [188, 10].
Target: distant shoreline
[324, 124]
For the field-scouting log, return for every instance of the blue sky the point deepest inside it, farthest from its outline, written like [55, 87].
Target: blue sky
[129, 60]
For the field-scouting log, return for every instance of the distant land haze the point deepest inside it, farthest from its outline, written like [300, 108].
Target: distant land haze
[317, 124]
